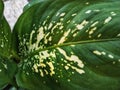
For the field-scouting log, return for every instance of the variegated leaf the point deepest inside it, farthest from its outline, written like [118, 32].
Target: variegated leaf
[69, 44]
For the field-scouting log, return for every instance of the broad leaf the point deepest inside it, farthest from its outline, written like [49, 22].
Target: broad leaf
[69, 44]
[7, 66]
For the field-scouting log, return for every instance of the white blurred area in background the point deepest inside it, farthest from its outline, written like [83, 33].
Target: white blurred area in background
[13, 9]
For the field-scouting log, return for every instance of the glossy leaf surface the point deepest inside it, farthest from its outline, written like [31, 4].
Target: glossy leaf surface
[32, 2]
[69, 44]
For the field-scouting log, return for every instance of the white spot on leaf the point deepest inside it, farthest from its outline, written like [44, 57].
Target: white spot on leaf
[110, 56]
[69, 80]
[61, 27]
[51, 68]
[74, 59]
[35, 67]
[97, 10]
[118, 35]
[113, 62]
[64, 37]
[88, 11]
[103, 53]
[2, 45]
[80, 71]
[57, 14]
[74, 14]
[66, 67]
[94, 24]
[118, 60]
[81, 26]
[97, 52]
[113, 14]
[108, 19]
[99, 35]
[87, 3]
[41, 73]
[50, 25]
[62, 14]
[92, 30]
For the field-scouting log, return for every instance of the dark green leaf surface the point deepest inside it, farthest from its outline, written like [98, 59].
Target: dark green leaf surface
[5, 38]
[7, 72]
[7, 67]
[1, 9]
[32, 2]
[69, 44]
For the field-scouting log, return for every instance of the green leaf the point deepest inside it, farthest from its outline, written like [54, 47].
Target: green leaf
[66, 44]
[1, 8]
[7, 66]
[31, 3]
[5, 38]
[7, 72]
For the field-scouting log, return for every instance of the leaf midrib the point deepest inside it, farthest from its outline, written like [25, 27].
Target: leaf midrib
[71, 43]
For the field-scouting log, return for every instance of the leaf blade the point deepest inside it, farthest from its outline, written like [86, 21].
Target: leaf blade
[64, 40]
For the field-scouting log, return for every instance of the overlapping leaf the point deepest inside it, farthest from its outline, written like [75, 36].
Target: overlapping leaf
[7, 67]
[69, 45]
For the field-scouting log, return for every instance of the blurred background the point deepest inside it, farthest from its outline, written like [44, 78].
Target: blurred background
[13, 9]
